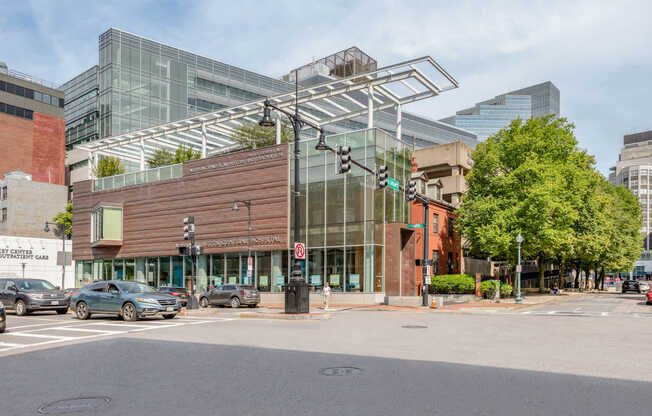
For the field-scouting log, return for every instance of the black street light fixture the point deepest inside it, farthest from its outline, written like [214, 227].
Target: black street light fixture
[62, 231]
[249, 228]
[296, 292]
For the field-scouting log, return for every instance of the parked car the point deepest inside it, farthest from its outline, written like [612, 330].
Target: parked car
[648, 297]
[232, 295]
[631, 286]
[68, 292]
[643, 286]
[28, 295]
[127, 299]
[179, 292]
[3, 318]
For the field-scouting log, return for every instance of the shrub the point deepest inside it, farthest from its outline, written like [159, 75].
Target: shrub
[488, 288]
[452, 283]
[506, 290]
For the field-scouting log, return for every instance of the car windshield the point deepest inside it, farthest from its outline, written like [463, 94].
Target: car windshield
[135, 287]
[34, 284]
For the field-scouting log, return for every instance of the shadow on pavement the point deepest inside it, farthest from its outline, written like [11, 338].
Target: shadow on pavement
[170, 378]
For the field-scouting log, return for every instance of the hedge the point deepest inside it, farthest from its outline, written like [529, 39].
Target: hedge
[488, 289]
[452, 283]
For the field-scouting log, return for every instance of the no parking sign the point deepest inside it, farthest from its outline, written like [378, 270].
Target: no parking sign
[299, 251]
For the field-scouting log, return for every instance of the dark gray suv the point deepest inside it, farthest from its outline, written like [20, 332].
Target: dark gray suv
[232, 295]
[27, 295]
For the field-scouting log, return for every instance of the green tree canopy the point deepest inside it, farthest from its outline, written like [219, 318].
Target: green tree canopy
[64, 220]
[252, 136]
[163, 157]
[108, 166]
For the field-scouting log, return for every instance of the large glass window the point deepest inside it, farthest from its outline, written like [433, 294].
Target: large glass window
[177, 271]
[316, 268]
[106, 224]
[264, 271]
[355, 269]
[130, 268]
[335, 268]
[232, 268]
[217, 270]
[152, 271]
[165, 276]
[118, 269]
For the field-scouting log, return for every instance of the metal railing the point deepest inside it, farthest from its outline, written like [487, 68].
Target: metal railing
[136, 178]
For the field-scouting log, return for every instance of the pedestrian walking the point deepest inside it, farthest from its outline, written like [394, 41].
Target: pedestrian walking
[325, 294]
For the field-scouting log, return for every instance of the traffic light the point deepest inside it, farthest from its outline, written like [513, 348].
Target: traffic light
[345, 159]
[382, 176]
[189, 228]
[411, 190]
[183, 250]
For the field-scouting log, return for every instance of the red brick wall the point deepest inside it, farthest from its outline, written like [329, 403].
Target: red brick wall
[49, 154]
[438, 241]
[36, 147]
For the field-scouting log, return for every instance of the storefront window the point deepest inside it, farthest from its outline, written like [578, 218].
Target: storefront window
[202, 272]
[335, 269]
[316, 269]
[152, 271]
[354, 269]
[279, 270]
[232, 268]
[140, 269]
[177, 271]
[118, 269]
[107, 270]
[188, 271]
[166, 276]
[130, 266]
[378, 269]
[217, 270]
[264, 271]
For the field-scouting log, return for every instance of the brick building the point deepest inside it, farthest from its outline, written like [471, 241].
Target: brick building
[32, 128]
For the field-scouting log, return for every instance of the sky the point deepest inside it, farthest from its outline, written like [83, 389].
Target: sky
[598, 53]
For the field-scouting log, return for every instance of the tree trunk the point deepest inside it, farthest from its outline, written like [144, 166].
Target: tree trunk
[587, 272]
[602, 278]
[578, 271]
[562, 270]
[542, 269]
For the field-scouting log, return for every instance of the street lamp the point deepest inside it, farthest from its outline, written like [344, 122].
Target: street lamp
[296, 292]
[249, 260]
[62, 230]
[519, 240]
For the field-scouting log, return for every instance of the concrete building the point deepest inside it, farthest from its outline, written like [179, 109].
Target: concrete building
[444, 168]
[634, 171]
[26, 204]
[488, 117]
[140, 83]
[32, 127]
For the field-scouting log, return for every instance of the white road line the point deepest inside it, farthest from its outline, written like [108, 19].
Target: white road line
[7, 344]
[551, 313]
[25, 334]
[33, 325]
[102, 331]
[526, 313]
[578, 309]
[603, 314]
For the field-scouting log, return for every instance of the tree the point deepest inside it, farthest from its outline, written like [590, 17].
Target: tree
[163, 157]
[252, 136]
[517, 184]
[64, 220]
[108, 166]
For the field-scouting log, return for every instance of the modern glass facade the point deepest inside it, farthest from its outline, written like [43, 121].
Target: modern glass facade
[343, 225]
[486, 118]
[80, 109]
[141, 83]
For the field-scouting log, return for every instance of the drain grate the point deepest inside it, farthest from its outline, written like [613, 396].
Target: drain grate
[414, 326]
[340, 371]
[79, 404]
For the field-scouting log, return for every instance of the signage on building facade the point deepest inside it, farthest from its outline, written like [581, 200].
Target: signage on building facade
[415, 225]
[21, 254]
[261, 155]
[243, 242]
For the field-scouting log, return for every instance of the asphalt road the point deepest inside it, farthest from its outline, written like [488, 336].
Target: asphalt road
[356, 363]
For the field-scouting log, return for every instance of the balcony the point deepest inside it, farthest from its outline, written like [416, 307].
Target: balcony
[137, 178]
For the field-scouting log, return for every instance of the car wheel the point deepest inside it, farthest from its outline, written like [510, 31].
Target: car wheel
[170, 316]
[203, 302]
[129, 312]
[62, 311]
[3, 326]
[21, 308]
[235, 302]
[253, 306]
[82, 311]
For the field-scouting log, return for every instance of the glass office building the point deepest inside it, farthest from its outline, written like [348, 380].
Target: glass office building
[343, 224]
[488, 117]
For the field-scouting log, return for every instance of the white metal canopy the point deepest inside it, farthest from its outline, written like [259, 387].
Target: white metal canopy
[321, 104]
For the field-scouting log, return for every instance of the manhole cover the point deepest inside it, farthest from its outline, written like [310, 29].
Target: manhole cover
[340, 371]
[414, 326]
[80, 404]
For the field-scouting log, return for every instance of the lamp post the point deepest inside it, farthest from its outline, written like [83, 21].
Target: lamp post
[62, 230]
[249, 260]
[296, 292]
[519, 240]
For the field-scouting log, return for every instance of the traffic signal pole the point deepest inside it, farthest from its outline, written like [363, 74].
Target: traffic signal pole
[425, 268]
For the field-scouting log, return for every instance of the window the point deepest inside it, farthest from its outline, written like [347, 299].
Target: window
[106, 224]
[435, 224]
[3, 219]
[451, 230]
[3, 193]
[16, 111]
[450, 263]
[435, 262]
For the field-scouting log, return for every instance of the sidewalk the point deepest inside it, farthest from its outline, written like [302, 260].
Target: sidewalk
[529, 301]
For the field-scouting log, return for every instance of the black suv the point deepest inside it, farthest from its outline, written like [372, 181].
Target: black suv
[179, 292]
[631, 286]
[27, 295]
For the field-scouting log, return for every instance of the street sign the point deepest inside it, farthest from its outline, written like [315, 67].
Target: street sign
[299, 251]
[392, 183]
[518, 268]
[64, 258]
[428, 272]
[415, 225]
[250, 267]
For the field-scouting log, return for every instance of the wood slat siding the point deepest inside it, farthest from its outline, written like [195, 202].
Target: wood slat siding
[153, 213]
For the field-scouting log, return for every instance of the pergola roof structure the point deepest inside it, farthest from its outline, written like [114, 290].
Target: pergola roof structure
[322, 104]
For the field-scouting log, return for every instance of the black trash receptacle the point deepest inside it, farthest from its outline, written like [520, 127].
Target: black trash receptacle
[297, 297]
